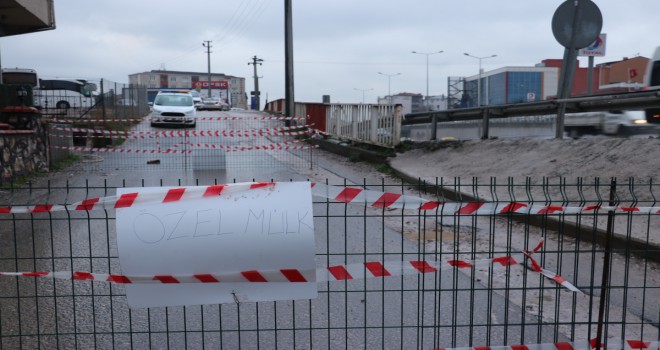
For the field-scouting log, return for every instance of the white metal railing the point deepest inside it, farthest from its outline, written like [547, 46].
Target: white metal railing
[375, 124]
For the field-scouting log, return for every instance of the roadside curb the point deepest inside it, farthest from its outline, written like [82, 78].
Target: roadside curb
[637, 247]
[351, 152]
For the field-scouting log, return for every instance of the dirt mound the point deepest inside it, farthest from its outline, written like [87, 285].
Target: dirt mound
[571, 159]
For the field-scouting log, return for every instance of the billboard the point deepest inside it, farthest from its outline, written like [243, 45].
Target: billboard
[597, 48]
[215, 84]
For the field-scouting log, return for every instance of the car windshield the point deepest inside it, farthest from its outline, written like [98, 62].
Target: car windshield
[194, 93]
[173, 100]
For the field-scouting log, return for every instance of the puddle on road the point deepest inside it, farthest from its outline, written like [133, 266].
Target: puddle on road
[432, 232]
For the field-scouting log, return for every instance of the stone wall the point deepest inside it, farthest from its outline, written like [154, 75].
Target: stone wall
[23, 151]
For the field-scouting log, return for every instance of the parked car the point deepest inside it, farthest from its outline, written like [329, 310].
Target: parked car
[213, 103]
[173, 108]
[197, 98]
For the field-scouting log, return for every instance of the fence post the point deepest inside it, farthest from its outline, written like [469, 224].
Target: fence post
[434, 126]
[103, 100]
[606, 265]
[397, 116]
[485, 124]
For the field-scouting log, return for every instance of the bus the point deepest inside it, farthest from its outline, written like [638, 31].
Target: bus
[64, 94]
[53, 93]
[19, 76]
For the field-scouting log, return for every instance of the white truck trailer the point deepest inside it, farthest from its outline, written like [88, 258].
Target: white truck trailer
[621, 123]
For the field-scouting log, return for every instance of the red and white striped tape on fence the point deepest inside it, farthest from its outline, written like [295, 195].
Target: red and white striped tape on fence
[230, 148]
[285, 146]
[137, 120]
[377, 199]
[609, 344]
[120, 150]
[97, 133]
[134, 199]
[349, 195]
[373, 269]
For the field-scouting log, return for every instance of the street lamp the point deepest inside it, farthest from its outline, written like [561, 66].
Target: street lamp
[363, 91]
[427, 54]
[389, 85]
[479, 81]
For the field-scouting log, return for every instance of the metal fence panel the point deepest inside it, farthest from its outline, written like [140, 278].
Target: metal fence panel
[375, 124]
[496, 303]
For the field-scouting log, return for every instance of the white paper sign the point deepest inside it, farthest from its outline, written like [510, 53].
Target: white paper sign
[265, 229]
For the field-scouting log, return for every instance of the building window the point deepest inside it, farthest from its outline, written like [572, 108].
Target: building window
[524, 87]
[152, 78]
[173, 79]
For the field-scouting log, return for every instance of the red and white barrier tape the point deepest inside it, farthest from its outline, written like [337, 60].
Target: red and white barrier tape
[97, 133]
[214, 146]
[376, 199]
[133, 199]
[349, 195]
[121, 150]
[609, 344]
[373, 269]
[272, 147]
[137, 120]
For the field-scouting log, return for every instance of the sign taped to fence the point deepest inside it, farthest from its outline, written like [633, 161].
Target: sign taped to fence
[264, 229]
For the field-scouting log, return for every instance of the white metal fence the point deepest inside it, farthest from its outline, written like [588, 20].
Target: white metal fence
[375, 124]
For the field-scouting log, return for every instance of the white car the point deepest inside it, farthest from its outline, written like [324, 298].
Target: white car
[197, 98]
[173, 108]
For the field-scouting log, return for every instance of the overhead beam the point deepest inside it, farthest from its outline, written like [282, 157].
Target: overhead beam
[26, 16]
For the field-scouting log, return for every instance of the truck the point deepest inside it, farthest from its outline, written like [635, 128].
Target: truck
[622, 123]
[652, 82]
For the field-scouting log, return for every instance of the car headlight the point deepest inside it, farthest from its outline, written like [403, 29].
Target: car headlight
[639, 121]
[191, 112]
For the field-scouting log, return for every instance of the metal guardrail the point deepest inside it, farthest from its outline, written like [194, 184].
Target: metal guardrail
[628, 100]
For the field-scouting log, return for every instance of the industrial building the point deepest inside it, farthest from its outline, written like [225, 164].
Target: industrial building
[509, 85]
[227, 87]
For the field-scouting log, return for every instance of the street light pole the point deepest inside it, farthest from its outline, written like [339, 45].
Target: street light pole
[363, 91]
[389, 84]
[427, 54]
[479, 81]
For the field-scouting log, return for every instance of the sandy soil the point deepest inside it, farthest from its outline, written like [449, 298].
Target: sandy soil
[548, 170]
[587, 158]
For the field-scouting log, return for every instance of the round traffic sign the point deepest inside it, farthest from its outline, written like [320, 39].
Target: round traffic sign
[577, 23]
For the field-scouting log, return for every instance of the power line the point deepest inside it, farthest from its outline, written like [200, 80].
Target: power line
[243, 15]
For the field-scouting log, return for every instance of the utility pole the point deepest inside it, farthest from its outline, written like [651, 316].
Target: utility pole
[288, 59]
[207, 45]
[256, 61]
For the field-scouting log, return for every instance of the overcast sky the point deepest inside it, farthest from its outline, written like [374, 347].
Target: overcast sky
[339, 45]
